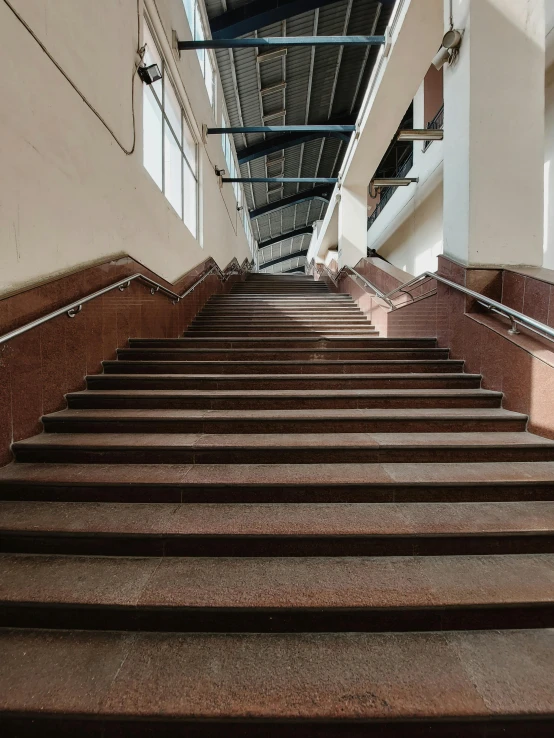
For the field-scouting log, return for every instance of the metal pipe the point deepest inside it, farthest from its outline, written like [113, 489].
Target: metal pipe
[75, 308]
[282, 41]
[282, 129]
[516, 318]
[284, 180]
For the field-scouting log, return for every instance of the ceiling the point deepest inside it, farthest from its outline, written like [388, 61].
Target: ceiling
[323, 84]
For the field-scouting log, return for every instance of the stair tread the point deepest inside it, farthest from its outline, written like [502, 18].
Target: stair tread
[285, 440]
[305, 474]
[291, 362]
[331, 414]
[274, 582]
[289, 377]
[358, 676]
[301, 393]
[281, 519]
[374, 340]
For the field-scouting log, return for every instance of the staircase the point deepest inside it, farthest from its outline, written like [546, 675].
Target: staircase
[280, 524]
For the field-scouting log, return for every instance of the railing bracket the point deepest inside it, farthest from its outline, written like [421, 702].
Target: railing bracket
[72, 312]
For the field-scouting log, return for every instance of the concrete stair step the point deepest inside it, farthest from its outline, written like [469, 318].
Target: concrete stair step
[284, 381]
[343, 366]
[288, 333]
[280, 354]
[291, 684]
[284, 399]
[433, 420]
[388, 482]
[273, 529]
[269, 448]
[274, 594]
[276, 342]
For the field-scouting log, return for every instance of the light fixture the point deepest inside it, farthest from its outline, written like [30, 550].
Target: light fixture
[449, 48]
[150, 74]
[394, 181]
[423, 134]
[219, 172]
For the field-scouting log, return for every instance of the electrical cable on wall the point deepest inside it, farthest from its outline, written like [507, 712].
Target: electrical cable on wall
[140, 52]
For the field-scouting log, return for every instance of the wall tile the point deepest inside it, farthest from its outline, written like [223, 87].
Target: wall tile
[536, 299]
[513, 288]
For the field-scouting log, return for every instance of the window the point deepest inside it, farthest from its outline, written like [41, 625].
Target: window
[194, 17]
[233, 171]
[169, 148]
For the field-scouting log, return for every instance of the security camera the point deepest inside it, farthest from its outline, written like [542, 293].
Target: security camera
[440, 58]
[448, 50]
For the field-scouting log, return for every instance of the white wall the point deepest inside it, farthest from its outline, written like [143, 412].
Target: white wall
[415, 244]
[68, 195]
[408, 231]
[548, 246]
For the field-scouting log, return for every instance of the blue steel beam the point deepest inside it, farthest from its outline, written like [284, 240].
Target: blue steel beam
[299, 270]
[288, 257]
[283, 180]
[281, 41]
[282, 129]
[279, 143]
[323, 192]
[304, 231]
[260, 13]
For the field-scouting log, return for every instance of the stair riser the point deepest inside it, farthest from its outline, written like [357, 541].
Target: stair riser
[290, 333]
[103, 544]
[239, 620]
[312, 344]
[280, 320]
[238, 367]
[261, 426]
[277, 403]
[227, 493]
[278, 311]
[52, 726]
[265, 355]
[344, 381]
[292, 455]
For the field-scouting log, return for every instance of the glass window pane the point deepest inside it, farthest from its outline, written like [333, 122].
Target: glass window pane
[189, 199]
[172, 109]
[209, 78]
[172, 171]
[189, 10]
[152, 56]
[198, 27]
[189, 145]
[152, 136]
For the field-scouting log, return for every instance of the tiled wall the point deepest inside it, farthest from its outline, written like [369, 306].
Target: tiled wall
[521, 366]
[529, 295]
[40, 366]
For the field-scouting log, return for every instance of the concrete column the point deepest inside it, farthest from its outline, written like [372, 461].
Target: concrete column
[494, 132]
[352, 225]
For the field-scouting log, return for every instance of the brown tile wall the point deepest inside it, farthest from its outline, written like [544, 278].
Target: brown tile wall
[40, 366]
[520, 366]
[528, 295]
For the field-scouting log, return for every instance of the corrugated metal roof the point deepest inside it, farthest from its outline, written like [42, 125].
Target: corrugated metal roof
[322, 83]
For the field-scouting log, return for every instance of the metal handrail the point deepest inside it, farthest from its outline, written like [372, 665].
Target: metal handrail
[74, 308]
[350, 270]
[516, 318]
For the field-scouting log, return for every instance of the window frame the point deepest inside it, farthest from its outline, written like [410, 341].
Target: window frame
[167, 129]
[204, 56]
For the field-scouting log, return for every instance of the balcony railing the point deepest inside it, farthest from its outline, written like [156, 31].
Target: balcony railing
[436, 124]
[404, 166]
